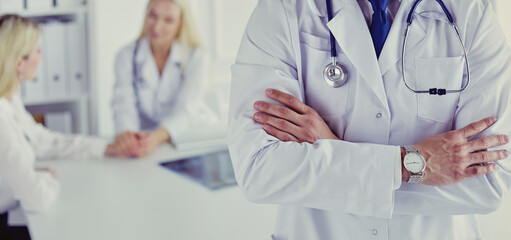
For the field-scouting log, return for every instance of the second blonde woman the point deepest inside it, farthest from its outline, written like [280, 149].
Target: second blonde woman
[157, 77]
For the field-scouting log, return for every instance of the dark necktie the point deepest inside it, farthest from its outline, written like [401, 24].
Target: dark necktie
[380, 25]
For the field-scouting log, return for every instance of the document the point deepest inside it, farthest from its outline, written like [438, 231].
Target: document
[59, 122]
[39, 4]
[70, 3]
[53, 34]
[76, 45]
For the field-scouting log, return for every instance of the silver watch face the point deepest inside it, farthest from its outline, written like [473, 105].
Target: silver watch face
[414, 162]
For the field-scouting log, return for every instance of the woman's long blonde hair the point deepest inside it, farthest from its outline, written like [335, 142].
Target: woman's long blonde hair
[18, 38]
[187, 35]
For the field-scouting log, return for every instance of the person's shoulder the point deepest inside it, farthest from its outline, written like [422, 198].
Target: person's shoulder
[467, 5]
[126, 51]
[278, 5]
[470, 2]
[273, 14]
[270, 16]
[125, 55]
[280, 2]
[194, 54]
[4, 120]
[198, 51]
[5, 109]
[469, 12]
[6, 127]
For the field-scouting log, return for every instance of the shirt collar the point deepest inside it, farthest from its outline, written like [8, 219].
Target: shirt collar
[319, 6]
[176, 51]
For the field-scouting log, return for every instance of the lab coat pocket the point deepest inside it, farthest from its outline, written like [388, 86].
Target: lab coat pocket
[440, 73]
[314, 41]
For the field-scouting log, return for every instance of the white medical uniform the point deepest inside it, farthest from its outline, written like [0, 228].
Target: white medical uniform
[22, 141]
[165, 100]
[351, 189]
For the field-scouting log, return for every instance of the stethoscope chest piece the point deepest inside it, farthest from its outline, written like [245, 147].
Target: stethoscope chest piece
[335, 75]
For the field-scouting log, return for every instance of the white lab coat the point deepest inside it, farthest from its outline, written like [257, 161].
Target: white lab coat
[22, 141]
[346, 189]
[167, 101]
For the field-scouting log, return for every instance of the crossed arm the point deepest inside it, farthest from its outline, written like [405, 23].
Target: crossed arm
[451, 157]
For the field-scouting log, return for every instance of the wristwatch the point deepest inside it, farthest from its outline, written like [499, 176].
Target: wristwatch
[414, 164]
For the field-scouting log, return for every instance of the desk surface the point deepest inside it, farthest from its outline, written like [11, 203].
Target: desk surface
[138, 199]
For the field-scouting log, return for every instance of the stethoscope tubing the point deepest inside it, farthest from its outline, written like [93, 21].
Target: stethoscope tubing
[135, 74]
[138, 81]
[409, 21]
[434, 91]
[335, 74]
[333, 47]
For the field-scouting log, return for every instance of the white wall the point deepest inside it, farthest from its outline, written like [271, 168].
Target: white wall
[115, 23]
[502, 9]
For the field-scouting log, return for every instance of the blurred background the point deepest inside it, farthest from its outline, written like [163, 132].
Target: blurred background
[85, 37]
[73, 89]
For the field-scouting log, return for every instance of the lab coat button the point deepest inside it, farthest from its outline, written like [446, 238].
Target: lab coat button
[379, 115]
[374, 232]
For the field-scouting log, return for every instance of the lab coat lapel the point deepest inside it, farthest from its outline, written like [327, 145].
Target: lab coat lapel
[147, 66]
[353, 36]
[392, 50]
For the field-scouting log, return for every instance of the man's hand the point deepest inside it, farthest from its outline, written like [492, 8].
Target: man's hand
[451, 158]
[295, 122]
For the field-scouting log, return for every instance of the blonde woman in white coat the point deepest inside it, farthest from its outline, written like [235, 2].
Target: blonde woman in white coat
[158, 78]
[22, 140]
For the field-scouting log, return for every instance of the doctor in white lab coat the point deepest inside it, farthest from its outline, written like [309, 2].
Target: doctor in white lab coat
[22, 140]
[332, 158]
[159, 78]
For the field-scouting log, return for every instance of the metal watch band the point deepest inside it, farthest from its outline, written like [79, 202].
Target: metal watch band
[413, 178]
[411, 148]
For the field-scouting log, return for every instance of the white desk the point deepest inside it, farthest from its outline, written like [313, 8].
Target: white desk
[138, 199]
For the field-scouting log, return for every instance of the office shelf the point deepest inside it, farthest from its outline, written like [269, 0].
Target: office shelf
[55, 11]
[50, 101]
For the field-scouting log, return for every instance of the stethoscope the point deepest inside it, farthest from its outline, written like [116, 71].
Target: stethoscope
[139, 81]
[336, 74]
[136, 79]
